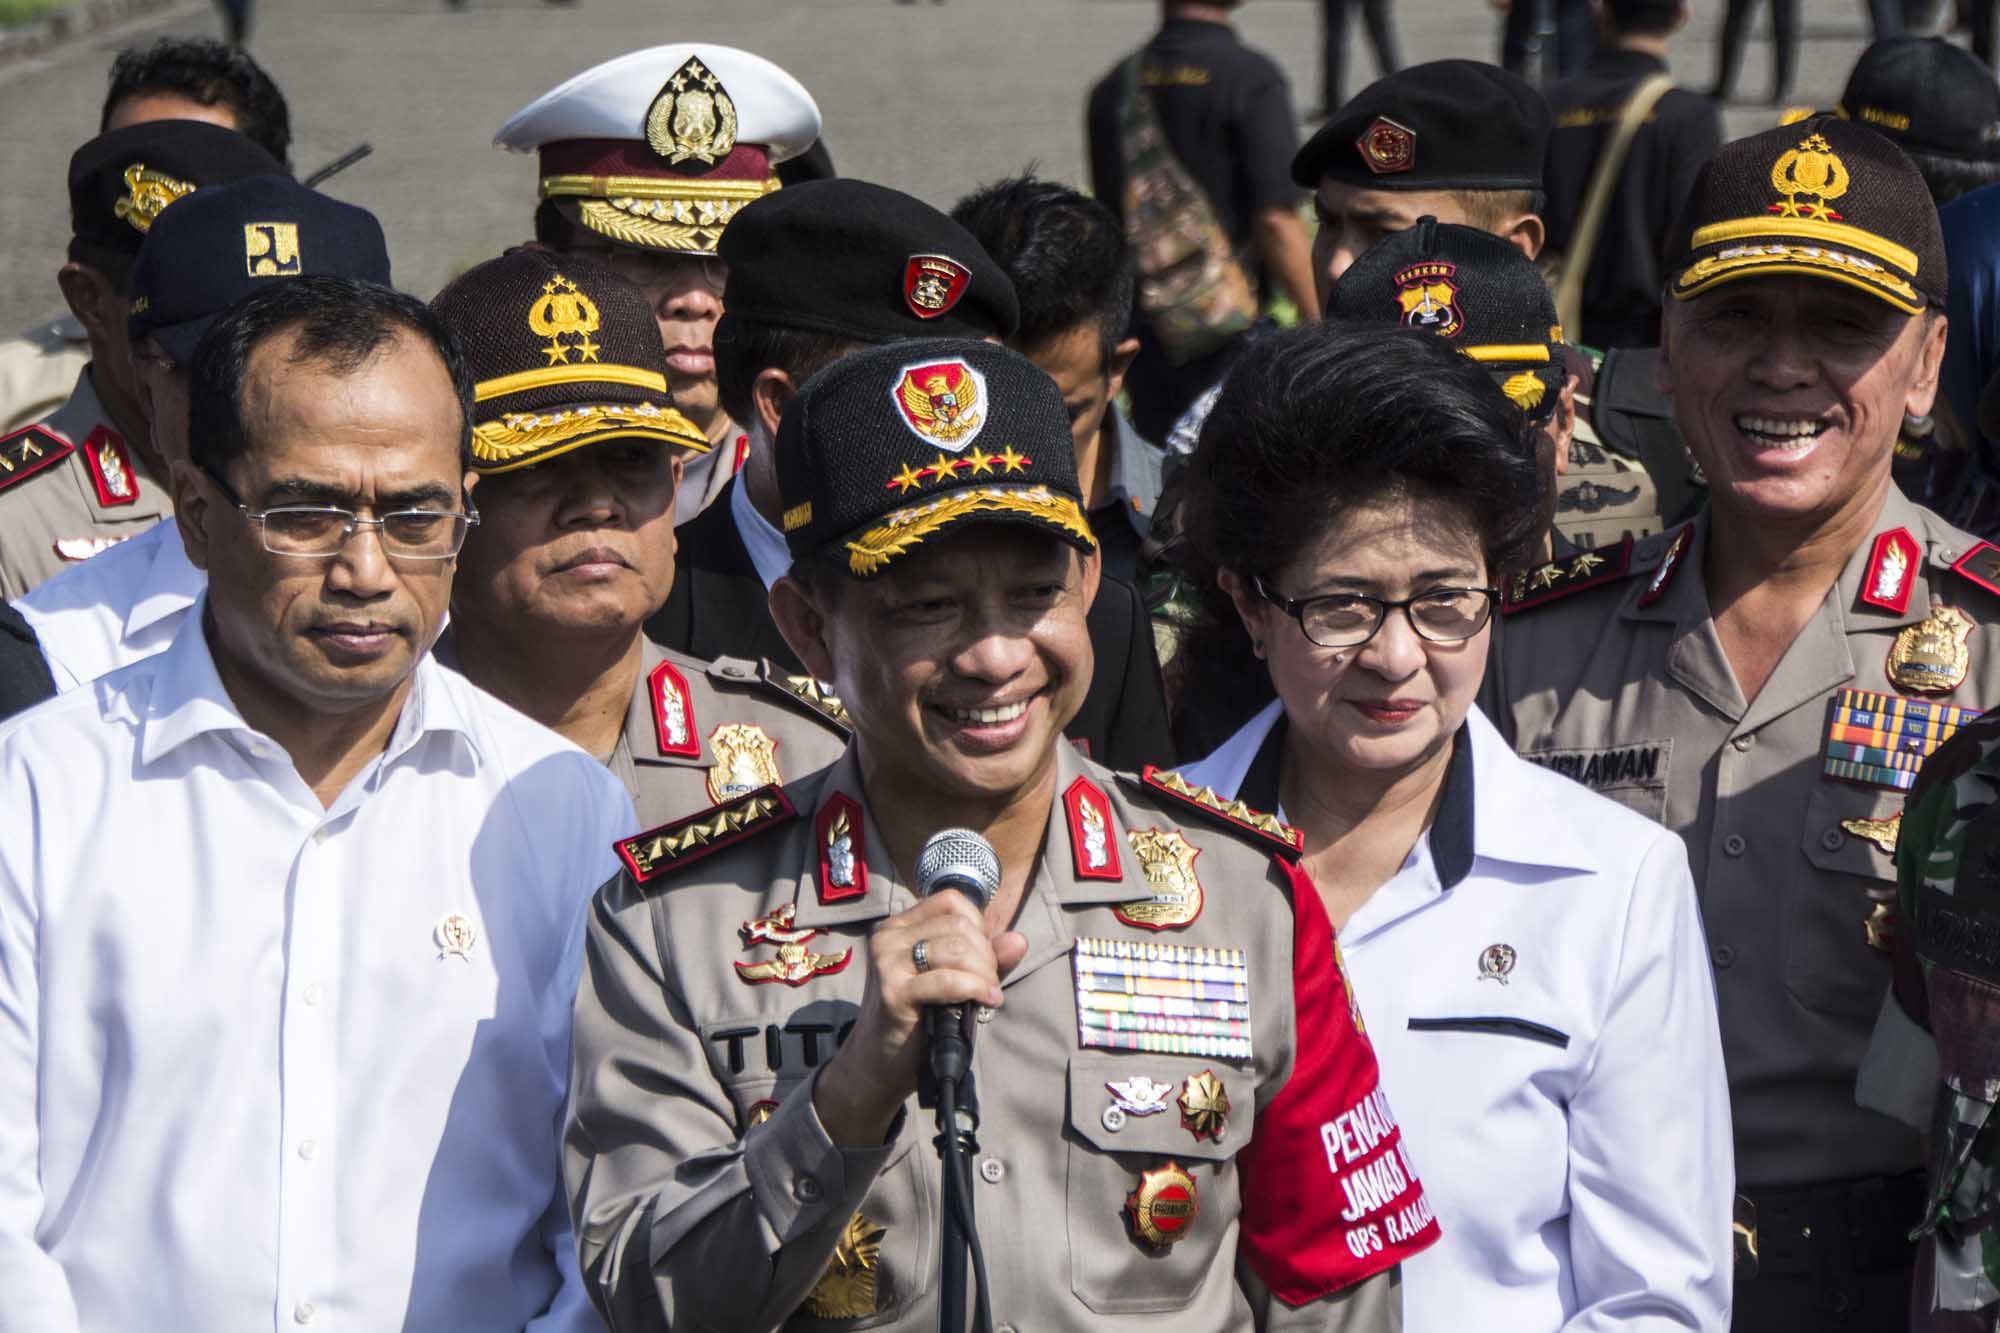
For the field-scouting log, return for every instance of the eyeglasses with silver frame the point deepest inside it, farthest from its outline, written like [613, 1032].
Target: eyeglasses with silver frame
[1351, 619]
[323, 531]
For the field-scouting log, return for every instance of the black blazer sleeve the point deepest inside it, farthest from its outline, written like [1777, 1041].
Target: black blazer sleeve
[1124, 716]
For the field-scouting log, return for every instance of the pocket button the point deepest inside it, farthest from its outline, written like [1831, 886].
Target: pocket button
[1733, 845]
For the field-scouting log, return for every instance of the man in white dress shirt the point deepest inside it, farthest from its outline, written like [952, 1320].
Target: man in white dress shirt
[128, 602]
[288, 933]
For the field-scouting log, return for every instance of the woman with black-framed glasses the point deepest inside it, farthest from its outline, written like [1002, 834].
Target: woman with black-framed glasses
[1527, 956]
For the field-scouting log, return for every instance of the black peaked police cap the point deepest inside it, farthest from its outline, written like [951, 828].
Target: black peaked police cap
[1472, 288]
[1445, 125]
[861, 261]
[121, 180]
[1928, 95]
[1826, 198]
[895, 444]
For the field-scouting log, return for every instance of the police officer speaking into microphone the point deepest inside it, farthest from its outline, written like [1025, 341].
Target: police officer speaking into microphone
[1181, 1111]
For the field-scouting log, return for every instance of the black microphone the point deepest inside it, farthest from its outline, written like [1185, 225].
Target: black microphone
[960, 859]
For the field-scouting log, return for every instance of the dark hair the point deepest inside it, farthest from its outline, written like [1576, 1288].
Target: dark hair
[206, 71]
[1947, 177]
[1064, 251]
[1314, 422]
[342, 325]
[744, 348]
[1654, 18]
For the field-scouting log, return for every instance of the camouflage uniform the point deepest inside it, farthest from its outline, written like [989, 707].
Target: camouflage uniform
[1948, 978]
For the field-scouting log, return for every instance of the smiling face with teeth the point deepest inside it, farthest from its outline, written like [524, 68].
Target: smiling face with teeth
[960, 664]
[1790, 392]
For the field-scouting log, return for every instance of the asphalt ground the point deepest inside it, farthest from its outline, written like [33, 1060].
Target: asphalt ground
[933, 98]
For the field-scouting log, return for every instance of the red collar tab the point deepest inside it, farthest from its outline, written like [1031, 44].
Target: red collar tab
[1560, 578]
[1670, 566]
[673, 712]
[685, 841]
[29, 450]
[1235, 814]
[1981, 564]
[111, 474]
[843, 857]
[1892, 572]
[1090, 843]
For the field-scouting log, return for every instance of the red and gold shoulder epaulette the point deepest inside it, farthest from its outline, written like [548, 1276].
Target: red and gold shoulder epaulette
[685, 841]
[1981, 565]
[1234, 814]
[1560, 578]
[29, 450]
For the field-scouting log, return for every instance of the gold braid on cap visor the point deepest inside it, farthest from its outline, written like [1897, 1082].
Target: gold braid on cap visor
[518, 439]
[655, 213]
[1804, 246]
[898, 532]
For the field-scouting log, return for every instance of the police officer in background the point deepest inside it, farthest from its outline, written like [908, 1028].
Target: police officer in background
[576, 442]
[745, 1149]
[817, 272]
[1766, 678]
[174, 78]
[1673, 141]
[642, 162]
[1457, 140]
[200, 257]
[85, 476]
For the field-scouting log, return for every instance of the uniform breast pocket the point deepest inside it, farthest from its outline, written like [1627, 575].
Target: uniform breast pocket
[1843, 898]
[1152, 1181]
[885, 1248]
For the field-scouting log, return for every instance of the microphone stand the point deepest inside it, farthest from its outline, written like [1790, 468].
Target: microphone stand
[956, 1101]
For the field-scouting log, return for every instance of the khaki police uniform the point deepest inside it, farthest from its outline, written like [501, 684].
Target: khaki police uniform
[1618, 680]
[70, 486]
[699, 733]
[38, 369]
[729, 961]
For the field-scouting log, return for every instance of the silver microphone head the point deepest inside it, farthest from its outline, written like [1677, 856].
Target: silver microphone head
[958, 858]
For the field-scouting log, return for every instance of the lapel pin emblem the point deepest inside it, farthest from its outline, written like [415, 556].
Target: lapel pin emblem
[454, 936]
[1496, 962]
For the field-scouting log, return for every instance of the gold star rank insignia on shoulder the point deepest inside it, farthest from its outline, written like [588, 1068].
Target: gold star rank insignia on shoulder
[684, 841]
[1560, 578]
[1234, 814]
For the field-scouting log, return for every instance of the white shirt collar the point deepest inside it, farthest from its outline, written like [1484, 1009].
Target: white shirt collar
[764, 542]
[188, 700]
[171, 585]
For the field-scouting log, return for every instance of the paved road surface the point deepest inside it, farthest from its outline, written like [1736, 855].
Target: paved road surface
[926, 97]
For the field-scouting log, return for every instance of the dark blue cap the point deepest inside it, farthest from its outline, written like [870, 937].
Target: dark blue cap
[218, 245]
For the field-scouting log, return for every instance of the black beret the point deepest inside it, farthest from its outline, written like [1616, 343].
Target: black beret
[563, 353]
[862, 261]
[119, 182]
[1446, 125]
[1468, 286]
[222, 243]
[893, 444]
[1927, 95]
[1826, 198]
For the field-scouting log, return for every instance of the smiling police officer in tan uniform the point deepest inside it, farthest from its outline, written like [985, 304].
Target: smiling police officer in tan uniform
[576, 442]
[1172, 1072]
[1766, 679]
